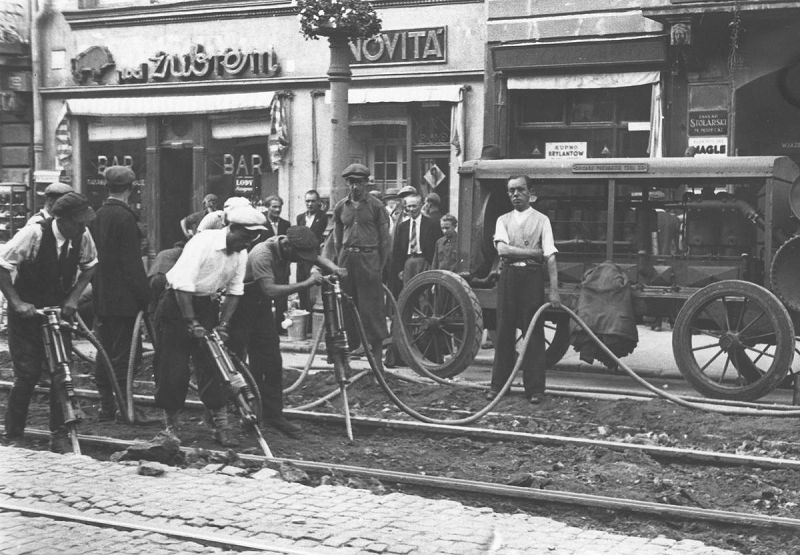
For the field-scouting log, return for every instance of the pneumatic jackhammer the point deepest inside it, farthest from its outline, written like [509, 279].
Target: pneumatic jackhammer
[336, 340]
[233, 380]
[58, 362]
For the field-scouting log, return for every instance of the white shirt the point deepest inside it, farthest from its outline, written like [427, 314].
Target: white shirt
[205, 266]
[212, 220]
[309, 220]
[414, 223]
[527, 229]
[24, 245]
[40, 216]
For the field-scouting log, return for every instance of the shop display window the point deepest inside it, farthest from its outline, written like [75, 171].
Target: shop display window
[387, 155]
[598, 117]
[13, 209]
[102, 154]
[240, 166]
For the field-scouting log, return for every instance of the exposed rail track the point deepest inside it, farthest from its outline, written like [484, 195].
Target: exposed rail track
[499, 491]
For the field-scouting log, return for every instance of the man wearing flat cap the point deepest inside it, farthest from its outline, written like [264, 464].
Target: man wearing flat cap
[119, 288]
[212, 261]
[189, 223]
[253, 330]
[54, 260]
[363, 246]
[52, 193]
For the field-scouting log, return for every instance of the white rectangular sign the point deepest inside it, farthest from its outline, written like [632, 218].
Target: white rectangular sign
[565, 150]
[709, 146]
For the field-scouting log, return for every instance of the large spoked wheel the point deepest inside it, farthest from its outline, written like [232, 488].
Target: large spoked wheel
[443, 323]
[733, 340]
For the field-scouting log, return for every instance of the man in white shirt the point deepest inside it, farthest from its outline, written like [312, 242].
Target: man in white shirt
[54, 261]
[211, 261]
[524, 241]
[217, 219]
[414, 242]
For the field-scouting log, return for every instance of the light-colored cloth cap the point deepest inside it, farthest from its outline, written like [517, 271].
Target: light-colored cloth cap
[407, 190]
[233, 202]
[248, 217]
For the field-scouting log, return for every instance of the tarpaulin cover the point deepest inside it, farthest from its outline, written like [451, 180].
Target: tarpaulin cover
[605, 303]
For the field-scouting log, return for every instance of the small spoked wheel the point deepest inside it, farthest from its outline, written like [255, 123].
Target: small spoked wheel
[733, 340]
[443, 323]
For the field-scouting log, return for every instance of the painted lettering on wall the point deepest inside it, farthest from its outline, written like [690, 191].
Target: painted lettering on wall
[198, 64]
[104, 162]
[407, 46]
[709, 146]
[708, 122]
[244, 173]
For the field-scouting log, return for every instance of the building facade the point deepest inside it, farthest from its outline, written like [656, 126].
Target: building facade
[228, 98]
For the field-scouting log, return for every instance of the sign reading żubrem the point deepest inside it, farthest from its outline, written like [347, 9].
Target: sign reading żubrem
[708, 122]
[198, 64]
[406, 46]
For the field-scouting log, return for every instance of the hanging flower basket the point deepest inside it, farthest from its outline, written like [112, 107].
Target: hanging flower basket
[345, 18]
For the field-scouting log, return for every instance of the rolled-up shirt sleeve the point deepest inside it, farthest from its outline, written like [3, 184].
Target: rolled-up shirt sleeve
[235, 286]
[21, 247]
[88, 257]
[500, 232]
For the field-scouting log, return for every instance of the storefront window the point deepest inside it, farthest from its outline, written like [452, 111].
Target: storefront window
[388, 155]
[594, 121]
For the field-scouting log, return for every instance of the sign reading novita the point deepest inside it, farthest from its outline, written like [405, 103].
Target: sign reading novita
[407, 46]
[565, 150]
[709, 146]
[708, 122]
[198, 64]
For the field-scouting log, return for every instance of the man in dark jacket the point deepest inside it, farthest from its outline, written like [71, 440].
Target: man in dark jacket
[317, 221]
[54, 260]
[276, 226]
[414, 241]
[120, 287]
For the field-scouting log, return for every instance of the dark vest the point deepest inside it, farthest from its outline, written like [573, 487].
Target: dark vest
[44, 281]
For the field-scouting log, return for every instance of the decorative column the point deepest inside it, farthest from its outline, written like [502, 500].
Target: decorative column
[339, 78]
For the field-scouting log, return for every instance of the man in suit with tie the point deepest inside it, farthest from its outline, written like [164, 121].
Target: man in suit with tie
[414, 242]
[276, 226]
[316, 220]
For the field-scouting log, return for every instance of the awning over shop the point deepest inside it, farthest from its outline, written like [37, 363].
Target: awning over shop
[585, 80]
[141, 106]
[430, 93]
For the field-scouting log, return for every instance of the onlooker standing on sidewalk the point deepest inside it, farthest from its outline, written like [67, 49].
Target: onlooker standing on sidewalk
[212, 261]
[414, 241]
[52, 193]
[317, 221]
[252, 329]
[276, 226]
[120, 288]
[189, 223]
[445, 255]
[362, 243]
[47, 258]
[524, 241]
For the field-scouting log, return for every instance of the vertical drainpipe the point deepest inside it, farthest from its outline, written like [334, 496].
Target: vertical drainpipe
[38, 21]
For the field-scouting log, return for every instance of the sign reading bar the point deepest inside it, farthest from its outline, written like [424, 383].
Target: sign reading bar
[198, 64]
[407, 46]
[610, 168]
[565, 150]
[703, 123]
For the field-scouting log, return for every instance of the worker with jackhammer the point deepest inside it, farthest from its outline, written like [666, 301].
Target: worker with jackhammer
[252, 328]
[212, 261]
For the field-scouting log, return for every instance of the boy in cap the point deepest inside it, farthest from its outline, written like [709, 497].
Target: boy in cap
[252, 329]
[218, 218]
[211, 261]
[363, 246]
[52, 193]
[120, 288]
[54, 260]
[189, 223]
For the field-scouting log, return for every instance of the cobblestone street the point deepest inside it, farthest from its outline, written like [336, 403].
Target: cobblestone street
[280, 516]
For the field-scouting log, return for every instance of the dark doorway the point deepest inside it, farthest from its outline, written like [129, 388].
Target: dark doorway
[175, 177]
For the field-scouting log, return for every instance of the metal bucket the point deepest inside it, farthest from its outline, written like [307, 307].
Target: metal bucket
[297, 331]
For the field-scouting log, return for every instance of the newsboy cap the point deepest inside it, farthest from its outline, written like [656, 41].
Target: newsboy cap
[73, 205]
[57, 189]
[356, 170]
[304, 241]
[119, 176]
[407, 190]
[247, 217]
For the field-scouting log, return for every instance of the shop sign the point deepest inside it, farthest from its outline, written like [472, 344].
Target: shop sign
[407, 46]
[708, 122]
[565, 150]
[709, 146]
[244, 173]
[198, 64]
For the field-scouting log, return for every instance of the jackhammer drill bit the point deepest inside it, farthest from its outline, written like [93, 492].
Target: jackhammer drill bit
[336, 341]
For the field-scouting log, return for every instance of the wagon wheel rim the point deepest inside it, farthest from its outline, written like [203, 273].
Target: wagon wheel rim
[435, 323]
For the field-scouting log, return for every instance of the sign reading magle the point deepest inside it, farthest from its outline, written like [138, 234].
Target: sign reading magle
[407, 46]
[198, 64]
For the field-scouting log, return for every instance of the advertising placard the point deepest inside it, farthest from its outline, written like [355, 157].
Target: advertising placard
[565, 150]
[709, 146]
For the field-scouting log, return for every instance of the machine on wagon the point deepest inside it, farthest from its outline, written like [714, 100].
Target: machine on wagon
[707, 243]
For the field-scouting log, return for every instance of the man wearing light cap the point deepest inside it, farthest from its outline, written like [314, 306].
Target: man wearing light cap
[217, 219]
[52, 193]
[189, 223]
[54, 261]
[253, 331]
[212, 261]
[119, 289]
[363, 245]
